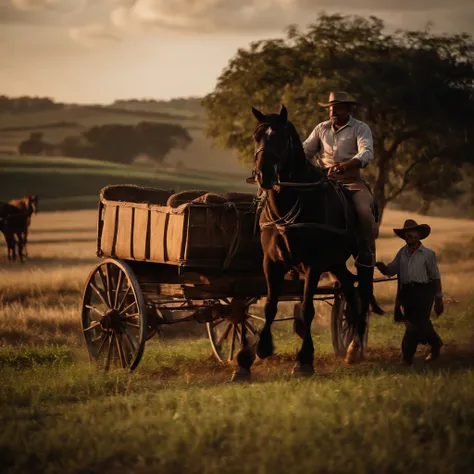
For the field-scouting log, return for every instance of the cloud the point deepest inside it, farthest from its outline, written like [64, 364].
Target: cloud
[91, 34]
[274, 15]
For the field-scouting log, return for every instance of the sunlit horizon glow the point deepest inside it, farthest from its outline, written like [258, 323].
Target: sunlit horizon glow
[86, 52]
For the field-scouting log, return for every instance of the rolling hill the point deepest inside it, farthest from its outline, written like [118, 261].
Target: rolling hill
[74, 183]
[74, 119]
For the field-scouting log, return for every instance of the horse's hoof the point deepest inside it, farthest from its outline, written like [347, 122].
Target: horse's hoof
[264, 352]
[302, 370]
[241, 375]
[353, 353]
[265, 346]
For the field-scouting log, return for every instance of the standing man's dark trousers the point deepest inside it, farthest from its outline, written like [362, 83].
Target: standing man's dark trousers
[417, 300]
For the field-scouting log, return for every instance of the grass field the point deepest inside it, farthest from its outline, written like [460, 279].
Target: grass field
[178, 413]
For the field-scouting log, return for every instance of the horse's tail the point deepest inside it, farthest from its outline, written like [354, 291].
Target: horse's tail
[366, 294]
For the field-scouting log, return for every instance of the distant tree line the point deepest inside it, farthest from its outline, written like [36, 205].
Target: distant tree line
[114, 142]
[17, 105]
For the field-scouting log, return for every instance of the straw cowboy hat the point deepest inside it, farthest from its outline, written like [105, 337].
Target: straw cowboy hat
[338, 98]
[423, 229]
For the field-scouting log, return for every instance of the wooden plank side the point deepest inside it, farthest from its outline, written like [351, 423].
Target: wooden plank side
[108, 230]
[124, 233]
[140, 233]
[158, 221]
[174, 238]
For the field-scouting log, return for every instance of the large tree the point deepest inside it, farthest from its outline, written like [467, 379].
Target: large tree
[415, 90]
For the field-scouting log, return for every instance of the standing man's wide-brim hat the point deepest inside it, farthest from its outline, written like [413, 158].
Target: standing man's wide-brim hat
[423, 229]
[338, 98]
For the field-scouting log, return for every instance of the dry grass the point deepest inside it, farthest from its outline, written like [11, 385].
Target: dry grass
[40, 300]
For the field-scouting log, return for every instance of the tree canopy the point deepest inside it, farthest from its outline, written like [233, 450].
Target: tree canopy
[415, 89]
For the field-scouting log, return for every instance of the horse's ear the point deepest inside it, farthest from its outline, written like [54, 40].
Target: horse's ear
[284, 113]
[258, 115]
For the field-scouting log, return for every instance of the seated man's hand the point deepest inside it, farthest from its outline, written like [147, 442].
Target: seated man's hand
[348, 165]
[382, 268]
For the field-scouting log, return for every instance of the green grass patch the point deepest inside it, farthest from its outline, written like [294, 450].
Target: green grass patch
[178, 412]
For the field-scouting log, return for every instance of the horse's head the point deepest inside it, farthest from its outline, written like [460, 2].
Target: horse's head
[32, 204]
[271, 139]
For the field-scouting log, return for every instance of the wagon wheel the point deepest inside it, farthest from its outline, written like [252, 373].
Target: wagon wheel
[114, 315]
[225, 331]
[341, 332]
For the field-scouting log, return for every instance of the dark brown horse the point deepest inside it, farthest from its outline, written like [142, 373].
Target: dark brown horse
[308, 228]
[29, 206]
[13, 224]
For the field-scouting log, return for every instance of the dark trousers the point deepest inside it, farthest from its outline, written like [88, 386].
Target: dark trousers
[417, 300]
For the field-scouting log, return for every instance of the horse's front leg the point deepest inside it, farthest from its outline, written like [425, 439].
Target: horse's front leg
[274, 276]
[245, 357]
[304, 364]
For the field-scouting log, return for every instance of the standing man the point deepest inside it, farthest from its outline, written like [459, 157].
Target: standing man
[419, 284]
[344, 146]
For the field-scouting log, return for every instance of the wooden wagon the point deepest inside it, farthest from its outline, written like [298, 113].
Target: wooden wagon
[162, 265]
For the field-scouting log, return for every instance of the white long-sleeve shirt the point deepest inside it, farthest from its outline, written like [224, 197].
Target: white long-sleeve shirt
[353, 140]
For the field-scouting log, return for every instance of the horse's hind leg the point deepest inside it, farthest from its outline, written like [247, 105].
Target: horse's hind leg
[304, 364]
[366, 292]
[274, 275]
[25, 243]
[346, 278]
[20, 248]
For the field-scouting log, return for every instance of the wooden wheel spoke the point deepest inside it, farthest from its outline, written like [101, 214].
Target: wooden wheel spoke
[109, 351]
[99, 293]
[253, 316]
[224, 335]
[232, 342]
[102, 277]
[128, 307]
[132, 316]
[250, 328]
[118, 343]
[118, 289]
[109, 286]
[93, 308]
[130, 341]
[214, 324]
[93, 325]
[132, 325]
[239, 332]
[124, 297]
[102, 344]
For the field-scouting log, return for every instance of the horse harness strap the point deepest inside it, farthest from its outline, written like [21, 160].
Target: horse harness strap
[288, 221]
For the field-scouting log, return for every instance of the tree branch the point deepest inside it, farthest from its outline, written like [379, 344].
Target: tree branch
[405, 179]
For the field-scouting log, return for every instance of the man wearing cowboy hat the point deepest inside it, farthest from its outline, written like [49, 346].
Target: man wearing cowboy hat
[419, 284]
[343, 145]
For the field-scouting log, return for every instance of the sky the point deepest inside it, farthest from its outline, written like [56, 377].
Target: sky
[97, 51]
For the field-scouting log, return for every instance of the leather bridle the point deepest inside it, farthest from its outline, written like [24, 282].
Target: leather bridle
[280, 158]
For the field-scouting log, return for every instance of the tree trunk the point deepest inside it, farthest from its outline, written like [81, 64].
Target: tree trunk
[379, 187]
[424, 207]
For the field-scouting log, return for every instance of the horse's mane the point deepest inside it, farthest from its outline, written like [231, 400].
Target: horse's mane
[301, 166]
